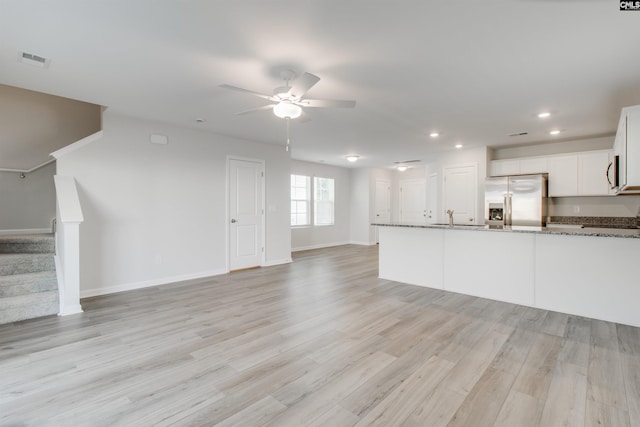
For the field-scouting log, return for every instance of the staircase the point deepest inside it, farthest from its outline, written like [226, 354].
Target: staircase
[28, 283]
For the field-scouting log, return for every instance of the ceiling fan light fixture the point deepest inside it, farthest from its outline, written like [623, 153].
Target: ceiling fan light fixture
[402, 168]
[286, 109]
[281, 92]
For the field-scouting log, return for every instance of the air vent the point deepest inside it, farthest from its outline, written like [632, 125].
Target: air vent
[33, 59]
[407, 161]
[519, 134]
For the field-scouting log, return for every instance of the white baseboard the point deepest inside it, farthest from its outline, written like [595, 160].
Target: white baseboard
[277, 262]
[60, 278]
[71, 310]
[149, 283]
[362, 243]
[26, 231]
[330, 245]
[319, 246]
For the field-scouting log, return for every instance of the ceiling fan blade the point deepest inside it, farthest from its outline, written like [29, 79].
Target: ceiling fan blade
[302, 84]
[304, 117]
[250, 92]
[337, 103]
[253, 110]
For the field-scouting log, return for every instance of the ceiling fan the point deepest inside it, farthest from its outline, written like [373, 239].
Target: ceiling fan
[288, 100]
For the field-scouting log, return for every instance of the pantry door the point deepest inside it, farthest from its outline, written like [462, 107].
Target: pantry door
[460, 193]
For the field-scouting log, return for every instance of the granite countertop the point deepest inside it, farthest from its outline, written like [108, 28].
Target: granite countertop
[559, 229]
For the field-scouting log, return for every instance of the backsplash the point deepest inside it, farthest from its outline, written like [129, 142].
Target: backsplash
[611, 206]
[597, 221]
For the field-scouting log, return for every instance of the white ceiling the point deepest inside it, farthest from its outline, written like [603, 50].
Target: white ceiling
[475, 71]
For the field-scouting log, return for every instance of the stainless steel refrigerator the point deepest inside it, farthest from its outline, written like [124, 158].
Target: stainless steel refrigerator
[517, 200]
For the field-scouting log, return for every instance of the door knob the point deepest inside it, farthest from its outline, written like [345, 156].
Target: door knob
[233, 221]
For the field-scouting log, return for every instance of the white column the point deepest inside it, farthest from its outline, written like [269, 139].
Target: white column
[68, 245]
[70, 295]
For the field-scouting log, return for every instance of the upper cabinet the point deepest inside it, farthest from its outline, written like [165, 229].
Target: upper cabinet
[534, 165]
[573, 174]
[592, 173]
[627, 150]
[505, 167]
[563, 175]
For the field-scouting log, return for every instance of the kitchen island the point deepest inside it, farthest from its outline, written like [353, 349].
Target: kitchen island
[588, 272]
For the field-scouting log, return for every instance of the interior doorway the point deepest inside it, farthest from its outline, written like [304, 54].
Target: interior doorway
[460, 192]
[413, 201]
[246, 213]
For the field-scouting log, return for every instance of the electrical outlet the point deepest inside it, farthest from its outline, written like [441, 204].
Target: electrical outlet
[576, 209]
[158, 259]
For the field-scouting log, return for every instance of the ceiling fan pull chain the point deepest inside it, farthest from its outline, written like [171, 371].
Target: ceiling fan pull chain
[287, 119]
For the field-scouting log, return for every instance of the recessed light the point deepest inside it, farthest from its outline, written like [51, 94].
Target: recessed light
[544, 114]
[353, 158]
[554, 132]
[458, 146]
[402, 168]
[434, 134]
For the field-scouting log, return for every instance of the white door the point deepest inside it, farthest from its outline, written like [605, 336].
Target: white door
[460, 193]
[432, 198]
[413, 201]
[245, 213]
[383, 201]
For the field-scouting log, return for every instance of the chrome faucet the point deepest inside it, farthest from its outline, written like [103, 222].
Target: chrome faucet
[450, 213]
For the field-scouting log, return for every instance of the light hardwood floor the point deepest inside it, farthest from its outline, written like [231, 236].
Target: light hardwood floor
[319, 342]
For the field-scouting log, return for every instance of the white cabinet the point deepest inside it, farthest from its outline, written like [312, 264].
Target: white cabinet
[627, 146]
[505, 167]
[573, 174]
[563, 175]
[534, 165]
[519, 166]
[592, 173]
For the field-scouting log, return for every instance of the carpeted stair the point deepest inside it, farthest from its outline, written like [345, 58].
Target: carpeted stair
[28, 283]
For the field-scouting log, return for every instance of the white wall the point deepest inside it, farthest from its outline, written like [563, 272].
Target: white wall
[328, 235]
[157, 213]
[27, 203]
[571, 146]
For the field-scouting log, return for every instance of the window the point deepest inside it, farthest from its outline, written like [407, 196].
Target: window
[323, 201]
[300, 200]
[316, 211]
